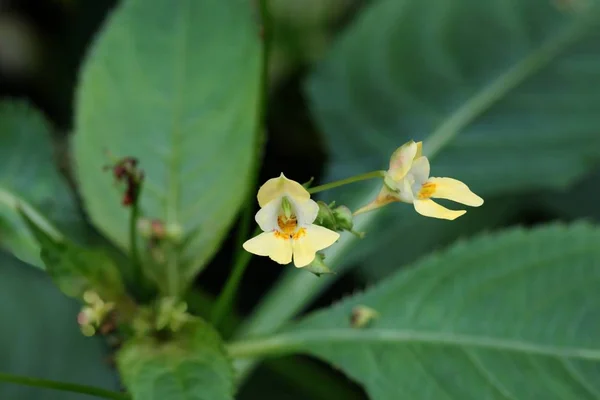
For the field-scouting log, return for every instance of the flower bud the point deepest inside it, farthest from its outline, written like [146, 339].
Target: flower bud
[343, 218]
[88, 330]
[142, 322]
[325, 218]
[174, 232]
[318, 266]
[172, 314]
[94, 314]
[362, 316]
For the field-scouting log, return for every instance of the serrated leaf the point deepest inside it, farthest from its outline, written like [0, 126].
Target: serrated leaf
[517, 99]
[193, 367]
[509, 107]
[176, 85]
[76, 269]
[511, 315]
[29, 178]
[424, 235]
[40, 337]
[504, 93]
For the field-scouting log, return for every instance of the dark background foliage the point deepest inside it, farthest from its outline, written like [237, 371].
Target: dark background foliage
[42, 45]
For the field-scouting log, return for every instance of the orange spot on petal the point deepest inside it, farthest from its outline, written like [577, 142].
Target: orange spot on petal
[281, 235]
[301, 232]
[287, 226]
[427, 190]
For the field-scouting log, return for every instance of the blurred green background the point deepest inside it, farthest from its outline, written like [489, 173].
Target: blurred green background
[42, 45]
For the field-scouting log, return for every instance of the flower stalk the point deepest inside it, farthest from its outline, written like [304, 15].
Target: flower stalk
[346, 181]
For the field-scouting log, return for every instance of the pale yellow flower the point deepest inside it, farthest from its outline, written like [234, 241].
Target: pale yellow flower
[286, 216]
[407, 180]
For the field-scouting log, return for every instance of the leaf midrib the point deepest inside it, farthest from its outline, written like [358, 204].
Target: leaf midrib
[172, 204]
[16, 202]
[286, 343]
[498, 88]
[272, 313]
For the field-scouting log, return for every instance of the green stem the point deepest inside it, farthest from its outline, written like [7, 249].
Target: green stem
[227, 295]
[296, 289]
[342, 182]
[133, 219]
[64, 386]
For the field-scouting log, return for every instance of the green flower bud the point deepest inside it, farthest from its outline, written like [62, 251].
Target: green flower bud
[343, 218]
[88, 330]
[174, 232]
[172, 314]
[318, 267]
[325, 218]
[142, 322]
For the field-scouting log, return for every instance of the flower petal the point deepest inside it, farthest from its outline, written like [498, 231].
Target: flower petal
[385, 196]
[455, 190]
[430, 208]
[306, 211]
[304, 252]
[313, 239]
[402, 159]
[321, 237]
[419, 150]
[266, 217]
[420, 171]
[280, 186]
[405, 193]
[278, 249]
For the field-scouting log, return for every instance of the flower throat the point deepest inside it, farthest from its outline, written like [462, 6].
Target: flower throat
[287, 220]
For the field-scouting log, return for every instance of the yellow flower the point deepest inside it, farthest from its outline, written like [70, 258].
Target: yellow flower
[286, 216]
[407, 180]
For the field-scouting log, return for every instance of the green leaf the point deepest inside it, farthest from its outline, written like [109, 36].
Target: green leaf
[176, 85]
[40, 337]
[503, 92]
[511, 108]
[514, 315]
[75, 269]
[426, 235]
[30, 179]
[194, 367]
[517, 100]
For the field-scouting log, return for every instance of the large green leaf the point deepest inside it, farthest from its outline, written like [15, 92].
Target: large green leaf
[505, 94]
[194, 367]
[176, 85]
[509, 316]
[511, 108]
[30, 178]
[76, 269]
[514, 104]
[40, 337]
[421, 236]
